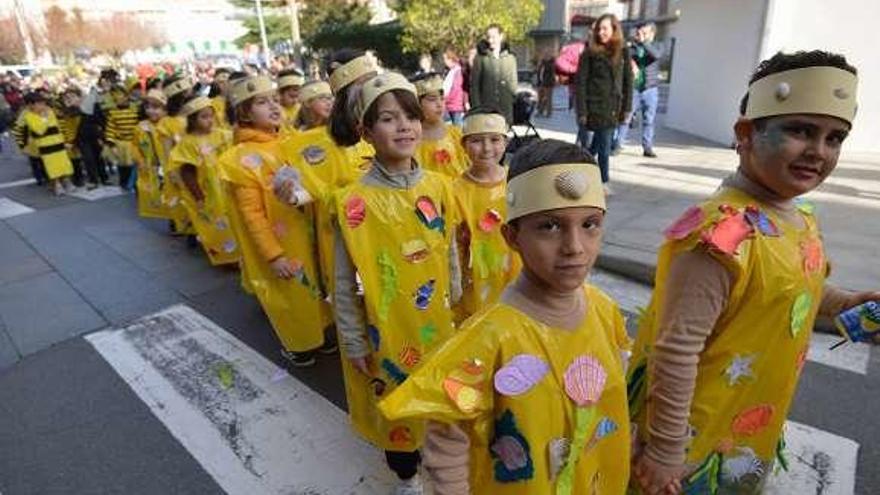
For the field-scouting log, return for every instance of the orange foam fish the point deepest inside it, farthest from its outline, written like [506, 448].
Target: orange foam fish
[752, 420]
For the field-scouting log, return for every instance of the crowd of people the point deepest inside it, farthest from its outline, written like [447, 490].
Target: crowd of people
[451, 276]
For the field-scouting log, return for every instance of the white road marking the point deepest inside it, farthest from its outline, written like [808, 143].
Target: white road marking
[821, 463]
[633, 295]
[16, 183]
[218, 398]
[98, 193]
[10, 208]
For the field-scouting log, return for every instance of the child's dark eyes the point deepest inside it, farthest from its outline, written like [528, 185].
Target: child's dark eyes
[550, 226]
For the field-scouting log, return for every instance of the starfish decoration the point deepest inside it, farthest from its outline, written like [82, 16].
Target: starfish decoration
[739, 368]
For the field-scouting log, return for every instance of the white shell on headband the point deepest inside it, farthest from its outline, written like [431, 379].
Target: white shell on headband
[572, 184]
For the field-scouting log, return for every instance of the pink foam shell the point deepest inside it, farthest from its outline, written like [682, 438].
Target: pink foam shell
[490, 220]
[511, 452]
[425, 206]
[355, 211]
[520, 374]
[692, 218]
[728, 233]
[585, 380]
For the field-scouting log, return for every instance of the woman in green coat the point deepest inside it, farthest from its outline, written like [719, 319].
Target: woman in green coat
[603, 88]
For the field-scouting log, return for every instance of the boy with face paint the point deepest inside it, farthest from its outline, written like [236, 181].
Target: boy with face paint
[740, 282]
[531, 390]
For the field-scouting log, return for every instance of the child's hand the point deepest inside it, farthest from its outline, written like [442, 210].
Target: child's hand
[857, 298]
[655, 478]
[282, 267]
[363, 364]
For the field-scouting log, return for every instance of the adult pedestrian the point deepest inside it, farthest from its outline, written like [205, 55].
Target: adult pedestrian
[603, 90]
[645, 56]
[453, 88]
[493, 75]
[546, 83]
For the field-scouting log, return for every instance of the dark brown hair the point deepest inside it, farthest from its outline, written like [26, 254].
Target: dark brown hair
[545, 152]
[343, 127]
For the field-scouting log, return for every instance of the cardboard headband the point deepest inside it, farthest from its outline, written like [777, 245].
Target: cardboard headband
[291, 80]
[555, 186]
[379, 85]
[176, 87]
[197, 104]
[484, 123]
[430, 85]
[244, 89]
[313, 90]
[812, 90]
[350, 72]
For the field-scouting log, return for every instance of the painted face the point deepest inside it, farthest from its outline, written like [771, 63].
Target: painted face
[558, 247]
[266, 112]
[485, 150]
[205, 119]
[154, 111]
[494, 37]
[432, 107]
[289, 96]
[793, 154]
[321, 106]
[605, 31]
[395, 134]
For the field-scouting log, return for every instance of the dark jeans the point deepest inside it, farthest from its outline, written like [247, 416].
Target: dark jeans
[404, 464]
[38, 170]
[127, 177]
[91, 158]
[601, 149]
[456, 118]
[77, 171]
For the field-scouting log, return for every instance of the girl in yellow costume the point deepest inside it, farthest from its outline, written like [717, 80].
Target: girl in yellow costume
[194, 162]
[316, 103]
[531, 391]
[219, 89]
[273, 227]
[146, 156]
[171, 129]
[395, 232]
[289, 83]
[488, 264]
[740, 281]
[441, 149]
[335, 152]
[44, 134]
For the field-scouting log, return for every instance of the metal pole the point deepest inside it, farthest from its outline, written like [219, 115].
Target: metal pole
[294, 31]
[263, 31]
[21, 22]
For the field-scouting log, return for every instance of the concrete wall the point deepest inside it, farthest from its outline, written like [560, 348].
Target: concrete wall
[719, 43]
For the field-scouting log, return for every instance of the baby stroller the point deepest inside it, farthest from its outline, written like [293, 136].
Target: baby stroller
[524, 105]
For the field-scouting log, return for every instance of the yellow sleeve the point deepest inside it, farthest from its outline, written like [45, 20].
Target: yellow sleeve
[185, 152]
[454, 384]
[249, 201]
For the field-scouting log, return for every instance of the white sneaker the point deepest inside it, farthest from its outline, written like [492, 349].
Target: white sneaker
[412, 486]
[608, 190]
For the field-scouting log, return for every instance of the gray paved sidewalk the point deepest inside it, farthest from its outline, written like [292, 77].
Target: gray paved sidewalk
[651, 193]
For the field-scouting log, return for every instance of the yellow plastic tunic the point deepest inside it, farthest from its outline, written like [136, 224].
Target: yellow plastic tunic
[511, 382]
[398, 240]
[445, 155]
[749, 369]
[219, 105]
[19, 130]
[210, 219]
[170, 131]
[295, 307]
[336, 167]
[488, 264]
[149, 182]
[288, 123]
[49, 143]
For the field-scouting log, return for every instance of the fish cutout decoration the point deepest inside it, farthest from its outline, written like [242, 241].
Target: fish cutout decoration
[464, 397]
[728, 233]
[428, 214]
[423, 295]
[759, 220]
[355, 211]
[415, 251]
[489, 221]
[689, 221]
[753, 420]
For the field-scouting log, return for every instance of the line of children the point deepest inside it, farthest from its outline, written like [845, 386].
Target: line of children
[441, 148]
[170, 129]
[193, 161]
[146, 152]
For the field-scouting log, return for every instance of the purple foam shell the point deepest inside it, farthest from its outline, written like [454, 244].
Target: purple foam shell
[520, 374]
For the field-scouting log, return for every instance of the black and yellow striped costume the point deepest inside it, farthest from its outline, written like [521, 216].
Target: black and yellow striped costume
[44, 135]
[119, 131]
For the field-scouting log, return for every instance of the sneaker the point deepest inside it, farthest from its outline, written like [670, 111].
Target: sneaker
[649, 154]
[58, 189]
[330, 346]
[91, 186]
[299, 359]
[608, 190]
[69, 187]
[412, 486]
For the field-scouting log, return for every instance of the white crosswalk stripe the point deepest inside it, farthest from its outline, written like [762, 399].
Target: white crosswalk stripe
[10, 208]
[98, 193]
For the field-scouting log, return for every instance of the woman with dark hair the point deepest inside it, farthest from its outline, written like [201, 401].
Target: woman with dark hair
[603, 88]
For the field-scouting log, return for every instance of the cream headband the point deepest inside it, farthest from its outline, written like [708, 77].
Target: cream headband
[313, 90]
[432, 84]
[815, 90]
[554, 186]
[350, 72]
[291, 80]
[176, 87]
[378, 86]
[243, 89]
[484, 123]
[195, 105]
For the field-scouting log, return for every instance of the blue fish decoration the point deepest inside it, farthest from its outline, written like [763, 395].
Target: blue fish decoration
[394, 371]
[605, 427]
[424, 294]
[373, 334]
[762, 222]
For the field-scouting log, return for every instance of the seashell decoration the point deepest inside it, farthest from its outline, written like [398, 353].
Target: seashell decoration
[751, 421]
[355, 211]
[464, 397]
[557, 452]
[692, 218]
[520, 374]
[572, 184]
[585, 380]
[510, 452]
[489, 221]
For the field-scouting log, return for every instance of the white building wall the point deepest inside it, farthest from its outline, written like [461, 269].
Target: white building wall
[719, 43]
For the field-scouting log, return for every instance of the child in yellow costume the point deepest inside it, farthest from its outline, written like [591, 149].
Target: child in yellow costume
[740, 281]
[219, 90]
[119, 131]
[289, 83]
[274, 226]
[70, 121]
[194, 162]
[529, 397]
[487, 263]
[146, 157]
[44, 135]
[26, 144]
[395, 232]
[441, 149]
[171, 129]
[316, 103]
[335, 152]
